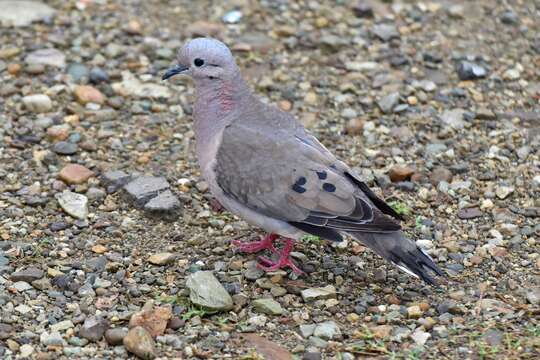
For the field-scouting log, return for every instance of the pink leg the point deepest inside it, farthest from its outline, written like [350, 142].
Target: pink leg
[255, 246]
[284, 259]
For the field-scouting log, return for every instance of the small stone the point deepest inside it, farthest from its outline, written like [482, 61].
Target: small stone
[93, 328]
[533, 295]
[440, 173]
[512, 74]
[24, 12]
[21, 286]
[98, 75]
[485, 114]
[165, 201]
[267, 306]
[75, 174]
[39, 103]
[62, 326]
[400, 173]
[162, 258]
[51, 57]
[469, 213]
[204, 29]
[414, 312]
[388, 102]
[493, 337]
[470, 71]
[115, 336]
[327, 330]
[26, 350]
[503, 191]
[88, 94]
[206, 291]
[232, 17]
[420, 337]
[321, 293]
[385, 32]
[65, 148]
[74, 204]
[381, 331]
[154, 320]
[23, 309]
[132, 86]
[509, 18]
[363, 9]
[77, 71]
[306, 330]
[29, 274]
[52, 339]
[139, 342]
[454, 118]
[253, 273]
[144, 188]
[114, 180]
[354, 126]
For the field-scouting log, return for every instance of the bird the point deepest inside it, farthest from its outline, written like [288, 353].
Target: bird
[262, 165]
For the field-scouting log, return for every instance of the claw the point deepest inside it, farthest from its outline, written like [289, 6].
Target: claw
[255, 246]
[283, 261]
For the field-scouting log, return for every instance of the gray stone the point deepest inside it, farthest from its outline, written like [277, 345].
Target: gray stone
[318, 342]
[493, 337]
[267, 306]
[29, 274]
[52, 339]
[470, 71]
[65, 148]
[115, 336]
[253, 272]
[144, 188]
[38, 103]
[98, 75]
[21, 286]
[207, 292]
[131, 86]
[232, 17]
[23, 309]
[51, 57]
[388, 102]
[23, 13]
[73, 204]
[306, 330]
[533, 295]
[93, 328]
[139, 342]
[78, 71]
[312, 294]
[114, 180]
[62, 325]
[385, 32]
[164, 201]
[327, 330]
[453, 118]
[509, 18]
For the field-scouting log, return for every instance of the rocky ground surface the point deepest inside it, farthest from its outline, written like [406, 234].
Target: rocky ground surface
[111, 245]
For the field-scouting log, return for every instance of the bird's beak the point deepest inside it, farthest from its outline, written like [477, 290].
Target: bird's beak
[175, 70]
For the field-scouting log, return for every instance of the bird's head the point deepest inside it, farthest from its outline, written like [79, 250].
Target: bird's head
[204, 59]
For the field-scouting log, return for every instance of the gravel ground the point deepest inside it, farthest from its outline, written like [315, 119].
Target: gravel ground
[112, 247]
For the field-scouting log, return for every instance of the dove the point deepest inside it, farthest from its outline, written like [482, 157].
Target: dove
[262, 165]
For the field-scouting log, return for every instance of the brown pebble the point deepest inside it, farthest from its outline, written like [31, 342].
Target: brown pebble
[400, 173]
[14, 68]
[354, 126]
[88, 94]
[75, 174]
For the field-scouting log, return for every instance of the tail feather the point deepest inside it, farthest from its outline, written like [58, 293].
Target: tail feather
[402, 252]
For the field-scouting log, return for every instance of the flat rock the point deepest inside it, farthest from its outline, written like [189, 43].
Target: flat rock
[29, 274]
[327, 330]
[267, 306]
[65, 148]
[38, 103]
[470, 71]
[153, 320]
[164, 201]
[88, 94]
[385, 32]
[144, 188]
[206, 291]
[52, 339]
[388, 102]
[469, 213]
[74, 204]
[131, 86]
[454, 118]
[400, 173]
[312, 294]
[162, 258]
[533, 295]
[75, 174]
[139, 342]
[51, 57]
[115, 336]
[62, 325]
[268, 349]
[23, 13]
[114, 180]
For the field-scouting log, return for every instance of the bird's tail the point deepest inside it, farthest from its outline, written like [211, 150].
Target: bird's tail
[404, 253]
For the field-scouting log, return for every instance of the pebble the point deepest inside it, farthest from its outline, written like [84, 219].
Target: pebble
[131, 86]
[74, 204]
[388, 102]
[232, 17]
[39, 103]
[139, 342]
[29, 274]
[440, 173]
[48, 57]
[400, 173]
[165, 258]
[454, 118]
[165, 201]
[153, 320]
[75, 174]
[206, 291]
[77, 71]
[115, 336]
[88, 94]
[23, 13]
[26, 350]
[98, 75]
[420, 337]
[503, 191]
[144, 188]
[320, 293]
[114, 180]
[470, 71]
[267, 306]
[533, 295]
[327, 330]
[93, 328]
[52, 339]
[385, 32]
[354, 126]
[65, 148]
[62, 326]
[306, 330]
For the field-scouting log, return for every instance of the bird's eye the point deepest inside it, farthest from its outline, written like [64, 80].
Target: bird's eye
[198, 62]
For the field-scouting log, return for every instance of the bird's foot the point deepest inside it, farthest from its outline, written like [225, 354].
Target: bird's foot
[283, 261]
[255, 246]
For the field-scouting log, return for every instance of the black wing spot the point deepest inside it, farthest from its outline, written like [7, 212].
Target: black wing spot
[329, 187]
[322, 174]
[301, 181]
[298, 188]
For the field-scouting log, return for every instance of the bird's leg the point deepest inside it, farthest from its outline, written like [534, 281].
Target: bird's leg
[284, 259]
[255, 246]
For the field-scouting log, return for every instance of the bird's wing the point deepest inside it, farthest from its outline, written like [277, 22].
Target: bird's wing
[290, 176]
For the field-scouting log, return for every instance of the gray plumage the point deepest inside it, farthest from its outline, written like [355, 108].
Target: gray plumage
[263, 166]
